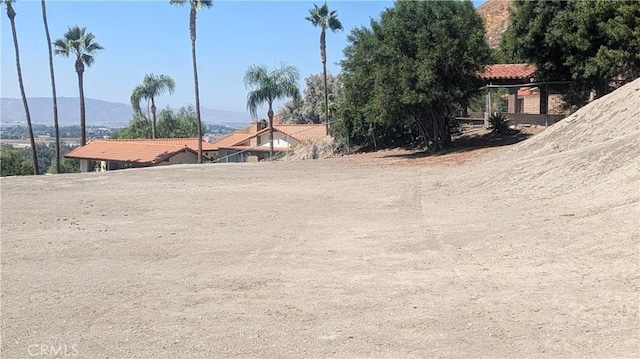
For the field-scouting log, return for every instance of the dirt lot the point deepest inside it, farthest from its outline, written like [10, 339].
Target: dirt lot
[498, 252]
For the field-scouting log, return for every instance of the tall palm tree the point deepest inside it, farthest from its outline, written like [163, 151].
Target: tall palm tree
[11, 13]
[268, 86]
[79, 43]
[195, 5]
[151, 87]
[53, 85]
[324, 19]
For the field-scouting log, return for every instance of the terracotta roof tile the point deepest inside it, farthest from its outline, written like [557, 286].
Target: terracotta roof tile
[231, 139]
[190, 142]
[508, 72]
[254, 149]
[303, 133]
[143, 151]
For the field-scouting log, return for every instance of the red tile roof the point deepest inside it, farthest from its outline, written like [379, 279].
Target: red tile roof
[141, 151]
[231, 139]
[303, 133]
[190, 142]
[254, 149]
[508, 72]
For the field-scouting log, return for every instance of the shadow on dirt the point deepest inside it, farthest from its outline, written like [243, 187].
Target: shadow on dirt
[473, 141]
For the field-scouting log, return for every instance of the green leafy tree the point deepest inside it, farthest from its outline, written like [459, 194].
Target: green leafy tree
[79, 43]
[407, 75]
[53, 86]
[47, 157]
[11, 14]
[596, 44]
[311, 108]
[268, 86]
[13, 162]
[321, 17]
[180, 124]
[152, 86]
[194, 6]
[67, 165]
[138, 127]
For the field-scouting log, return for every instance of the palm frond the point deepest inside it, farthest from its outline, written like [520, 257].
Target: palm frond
[74, 33]
[166, 83]
[151, 87]
[61, 48]
[137, 95]
[334, 23]
[93, 47]
[255, 99]
[78, 42]
[269, 85]
[202, 4]
[255, 76]
[320, 16]
[86, 39]
[87, 59]
[324, 10]
[197, 4]
[314, 16]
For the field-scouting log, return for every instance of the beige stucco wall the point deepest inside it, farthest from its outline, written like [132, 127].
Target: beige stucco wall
[84, 165]
[280, 140]
[180, 158]
[234, 156]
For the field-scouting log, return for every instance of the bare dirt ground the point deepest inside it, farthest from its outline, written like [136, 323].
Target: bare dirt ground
[528, 250]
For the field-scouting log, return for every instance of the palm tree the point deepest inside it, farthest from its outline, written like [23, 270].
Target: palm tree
[324, 19]
[53, 85]
[151, 87]
[195, 5]
[79, 43]
[11, 13]
[270, 85]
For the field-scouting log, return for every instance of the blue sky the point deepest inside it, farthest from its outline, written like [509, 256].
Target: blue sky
[143, 37]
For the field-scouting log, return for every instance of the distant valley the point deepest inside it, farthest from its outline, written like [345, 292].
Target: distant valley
[99, 113]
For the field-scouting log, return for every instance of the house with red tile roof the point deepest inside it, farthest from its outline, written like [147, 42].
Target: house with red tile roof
[525, 103]
[252, 144]
[110, 154]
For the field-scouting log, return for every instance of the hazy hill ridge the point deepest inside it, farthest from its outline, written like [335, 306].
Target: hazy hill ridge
[99, 112]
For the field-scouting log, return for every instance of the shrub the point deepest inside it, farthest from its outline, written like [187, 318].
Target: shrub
[499, 122]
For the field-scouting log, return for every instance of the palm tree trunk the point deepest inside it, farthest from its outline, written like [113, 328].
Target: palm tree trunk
[326, 97]
[83, 127]
[192, 26]
[53, 86]
[153, 121]
[12, 14]
[270, 115]
[323, 57]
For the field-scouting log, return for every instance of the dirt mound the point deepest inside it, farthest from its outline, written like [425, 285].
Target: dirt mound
[326, 147]
[592, 154]
[610, 118]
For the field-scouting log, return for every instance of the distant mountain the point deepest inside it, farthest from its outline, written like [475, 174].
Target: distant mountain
[99, 113]
[496, 19]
